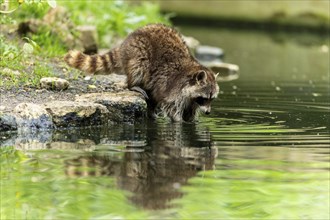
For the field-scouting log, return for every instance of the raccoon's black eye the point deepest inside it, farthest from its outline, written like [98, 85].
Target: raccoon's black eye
[201, 100]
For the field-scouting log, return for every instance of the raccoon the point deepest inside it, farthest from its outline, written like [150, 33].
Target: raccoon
[159, 65]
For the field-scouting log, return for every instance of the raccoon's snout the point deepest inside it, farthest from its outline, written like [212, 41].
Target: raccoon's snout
[206, 109]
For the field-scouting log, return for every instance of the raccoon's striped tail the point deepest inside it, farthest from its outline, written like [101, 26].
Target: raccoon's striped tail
[91, 64]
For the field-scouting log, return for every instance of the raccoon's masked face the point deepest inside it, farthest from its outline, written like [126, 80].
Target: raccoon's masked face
[206, 90]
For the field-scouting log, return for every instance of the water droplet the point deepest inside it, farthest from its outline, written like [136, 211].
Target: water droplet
[234, 87]
[316, 94]
[278, 88]
[324, 49]
[176, 185]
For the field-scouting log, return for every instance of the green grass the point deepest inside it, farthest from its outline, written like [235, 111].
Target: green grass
[113, 20]
[19, 68]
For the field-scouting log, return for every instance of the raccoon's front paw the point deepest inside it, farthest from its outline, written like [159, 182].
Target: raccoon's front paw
[141, 91]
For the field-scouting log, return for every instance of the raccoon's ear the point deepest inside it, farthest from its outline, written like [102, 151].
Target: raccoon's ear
[200, 77]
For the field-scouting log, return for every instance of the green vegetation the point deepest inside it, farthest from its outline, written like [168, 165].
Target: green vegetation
[114, 18]
[19, 64]
[28, 55]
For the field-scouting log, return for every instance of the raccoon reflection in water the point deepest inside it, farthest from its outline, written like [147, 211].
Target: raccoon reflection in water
[155, 172]
[159, 65]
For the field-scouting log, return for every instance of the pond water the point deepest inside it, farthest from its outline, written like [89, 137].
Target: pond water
[263, 153]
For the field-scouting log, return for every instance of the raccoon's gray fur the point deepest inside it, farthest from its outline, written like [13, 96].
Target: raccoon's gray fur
[157, 63]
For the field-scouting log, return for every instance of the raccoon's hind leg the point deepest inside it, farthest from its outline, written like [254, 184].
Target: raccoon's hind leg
[150, 103]
[137, 73]
[135, 54]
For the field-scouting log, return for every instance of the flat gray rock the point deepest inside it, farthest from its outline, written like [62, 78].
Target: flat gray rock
[87, 110]
[125, 106]
[7, 122]
[32, 116]
[76, 114]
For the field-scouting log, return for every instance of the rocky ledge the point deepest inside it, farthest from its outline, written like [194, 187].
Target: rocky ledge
[86, 110]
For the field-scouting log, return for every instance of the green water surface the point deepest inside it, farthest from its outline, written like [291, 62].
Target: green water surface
[262, 154]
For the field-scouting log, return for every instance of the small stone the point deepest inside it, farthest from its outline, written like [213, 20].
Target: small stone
[88, 36]
[10, 72]
[87, 78]
[208, 53]
[40, 90]
[91, 87]
[54, 83]
[191, 42]
[32, 25]
[58, 14]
